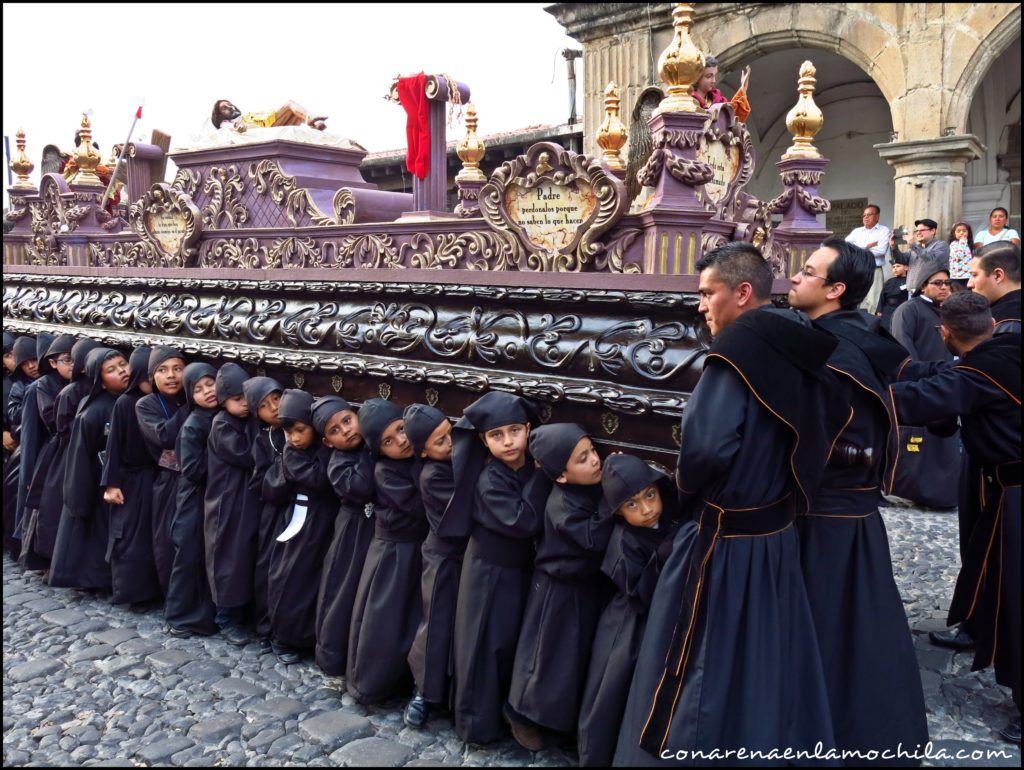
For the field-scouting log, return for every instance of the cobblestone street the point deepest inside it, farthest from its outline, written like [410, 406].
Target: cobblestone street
[88, 683]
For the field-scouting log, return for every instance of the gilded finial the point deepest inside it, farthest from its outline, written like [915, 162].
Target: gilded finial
[805, 119]
[21, 165]
[611, 136]
[470, 150]
[681, 64]
[86, 157]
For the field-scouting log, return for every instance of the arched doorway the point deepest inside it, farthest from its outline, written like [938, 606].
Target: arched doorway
[857, 117]
[994, 117]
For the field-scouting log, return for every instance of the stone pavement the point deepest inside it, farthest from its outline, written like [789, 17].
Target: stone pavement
[87, 683]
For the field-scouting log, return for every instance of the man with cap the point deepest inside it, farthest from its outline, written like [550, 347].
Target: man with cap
[925, 248]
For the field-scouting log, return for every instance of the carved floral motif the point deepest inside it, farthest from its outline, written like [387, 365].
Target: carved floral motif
[224, 208]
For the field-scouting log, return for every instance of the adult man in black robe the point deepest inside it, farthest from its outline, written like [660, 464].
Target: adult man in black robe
[843, 544]
[983, 390]
[995, 274]
[729, 657]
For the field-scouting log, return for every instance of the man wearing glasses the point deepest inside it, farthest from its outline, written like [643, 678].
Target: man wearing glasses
[875, 238]
[925, 249]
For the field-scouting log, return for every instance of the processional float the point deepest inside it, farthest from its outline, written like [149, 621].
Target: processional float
[542, 280]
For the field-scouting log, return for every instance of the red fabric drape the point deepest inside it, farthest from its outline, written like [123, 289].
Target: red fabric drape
[412, 96]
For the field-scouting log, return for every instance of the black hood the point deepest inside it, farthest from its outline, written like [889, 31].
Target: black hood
[24, 350]
[374, 418]
[258, 388]
[79, 353]
[193, 374]
[324, 408]
[160, 354]
[552, 445]
[93, 371]
[139, 365]
[8, 342]
[43, 342]
[230, 381]
[420, 421]
[296, 405]
[623, 476]
[63, 343]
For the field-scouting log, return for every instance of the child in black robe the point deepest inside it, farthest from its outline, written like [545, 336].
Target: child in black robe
[351, 473]
[10, 444]
[894, 291]
[189, 607]
[297, 555]
[639, 499]
[161, 415]
[33, 435]
[51, 486]
[128, 477]
[430, 434]
[567, 592]
[387, 607]
[232, 509]
[26, 371]
[499, 503]
[79, 553]
[47, 388]
[263, 396]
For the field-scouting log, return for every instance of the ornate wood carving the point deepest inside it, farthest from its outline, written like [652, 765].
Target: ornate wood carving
[167, 219]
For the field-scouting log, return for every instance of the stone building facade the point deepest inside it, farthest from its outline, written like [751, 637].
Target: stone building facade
[921, 100]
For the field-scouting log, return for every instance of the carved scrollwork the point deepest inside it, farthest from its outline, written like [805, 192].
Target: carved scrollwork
[369, 250]
[812, 204]
[224, 208]
[284, 191]
[802, 176]
[19, 209]
[131, 254]
[295, 252]
[235, 252]
[187, 181]
[668, 137]
[611, 258]
[344, 205]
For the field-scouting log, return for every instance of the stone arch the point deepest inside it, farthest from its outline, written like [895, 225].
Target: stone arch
[1004, 34]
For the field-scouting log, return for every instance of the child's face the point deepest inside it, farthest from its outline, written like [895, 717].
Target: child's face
[169, 376]
[267, 410]
[115, 374]
[9, 362]
[584, 466]
[146, 386]
[439, 443]
[508, 443]
[393, 442]
[960, 232]
[899, 270]
[30, 368]
[300, 435]
[64, 366]
[204, 393]
[236, 406]
[342, 431]
[642, 509]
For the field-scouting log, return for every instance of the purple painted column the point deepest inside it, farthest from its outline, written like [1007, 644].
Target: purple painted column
[799, 233]
[674, 219]
[430, 194]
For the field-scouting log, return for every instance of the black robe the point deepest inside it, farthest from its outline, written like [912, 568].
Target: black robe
[387, 607]
[983, 389]
[80, 550]
[160, 419]
[894, 293]
[867, 652]
[188, 605]
[47, 390]
[44, 513]
[915, 325]
[567, 594]
[729, 657]
[351, 476]
[295, 565]
[430, 656]
[266, 449]
[232, 511]
[632, 562]
[12, 466]
[1006, 312]
[35, 434]
[497, 566]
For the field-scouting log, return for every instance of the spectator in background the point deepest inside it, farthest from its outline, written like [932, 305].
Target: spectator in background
[894, 291]
[961, 238]
[916, 323]
[998, 230]
[875, 238]
[925, 250]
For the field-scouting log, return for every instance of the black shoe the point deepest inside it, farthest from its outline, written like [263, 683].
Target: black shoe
[416, 711]
[179, 633]
[235, 635]
[264, 644]
[287, 655]
[1011, 732]
[527, 734]
[954, 639]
